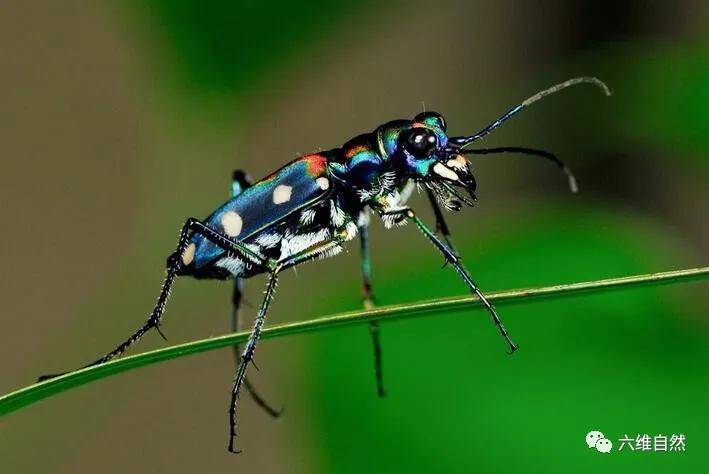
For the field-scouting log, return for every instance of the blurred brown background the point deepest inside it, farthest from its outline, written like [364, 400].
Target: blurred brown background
[109, 143]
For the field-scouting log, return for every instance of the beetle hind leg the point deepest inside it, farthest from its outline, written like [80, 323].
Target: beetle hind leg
[175, 262]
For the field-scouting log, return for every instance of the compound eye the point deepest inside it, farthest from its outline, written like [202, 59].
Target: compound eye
[432, 118]
[420, 142]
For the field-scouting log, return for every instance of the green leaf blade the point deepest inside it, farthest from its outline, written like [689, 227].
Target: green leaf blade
[33, 393]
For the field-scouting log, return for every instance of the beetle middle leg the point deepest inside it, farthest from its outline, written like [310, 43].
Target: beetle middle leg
[239, 183]
[235, 327]
[368, 301]
[247, 356]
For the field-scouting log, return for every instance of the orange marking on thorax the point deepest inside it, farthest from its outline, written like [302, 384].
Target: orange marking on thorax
[354, 150]
[316, 164]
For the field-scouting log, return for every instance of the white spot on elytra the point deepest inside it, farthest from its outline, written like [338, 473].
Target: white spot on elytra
[232, 223]
[188, 254]
[447, 173]
[458, 162]
[282, 194]
[323, 183]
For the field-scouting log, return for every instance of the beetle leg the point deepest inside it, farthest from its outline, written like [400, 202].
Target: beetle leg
[365, 266]
[235, 327]
[368, 299]
[174, 263]
[441, 225]
[247, 356]
[455, 261]
[239, 183]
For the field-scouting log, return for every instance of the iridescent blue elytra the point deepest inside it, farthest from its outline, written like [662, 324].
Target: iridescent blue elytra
[313, 205]
[255, 212]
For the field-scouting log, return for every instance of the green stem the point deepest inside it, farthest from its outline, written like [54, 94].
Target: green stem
[33, 393]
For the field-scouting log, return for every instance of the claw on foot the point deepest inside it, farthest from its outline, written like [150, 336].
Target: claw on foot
[157, 328]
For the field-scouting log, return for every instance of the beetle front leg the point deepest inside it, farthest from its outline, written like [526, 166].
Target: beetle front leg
[441, 225]
[368, 300]
[454, 260]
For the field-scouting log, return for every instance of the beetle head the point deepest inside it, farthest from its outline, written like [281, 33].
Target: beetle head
[420, 149]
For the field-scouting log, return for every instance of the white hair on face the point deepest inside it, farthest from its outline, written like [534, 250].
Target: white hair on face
[365, 195]
[385, 183]
[387, 180]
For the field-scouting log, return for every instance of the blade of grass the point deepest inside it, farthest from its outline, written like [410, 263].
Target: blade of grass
[26, 396]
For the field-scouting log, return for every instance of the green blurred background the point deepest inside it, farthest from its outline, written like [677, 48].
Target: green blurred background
[121, 119]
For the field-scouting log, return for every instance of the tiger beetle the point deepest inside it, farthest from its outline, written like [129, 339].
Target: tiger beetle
[310, 207]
